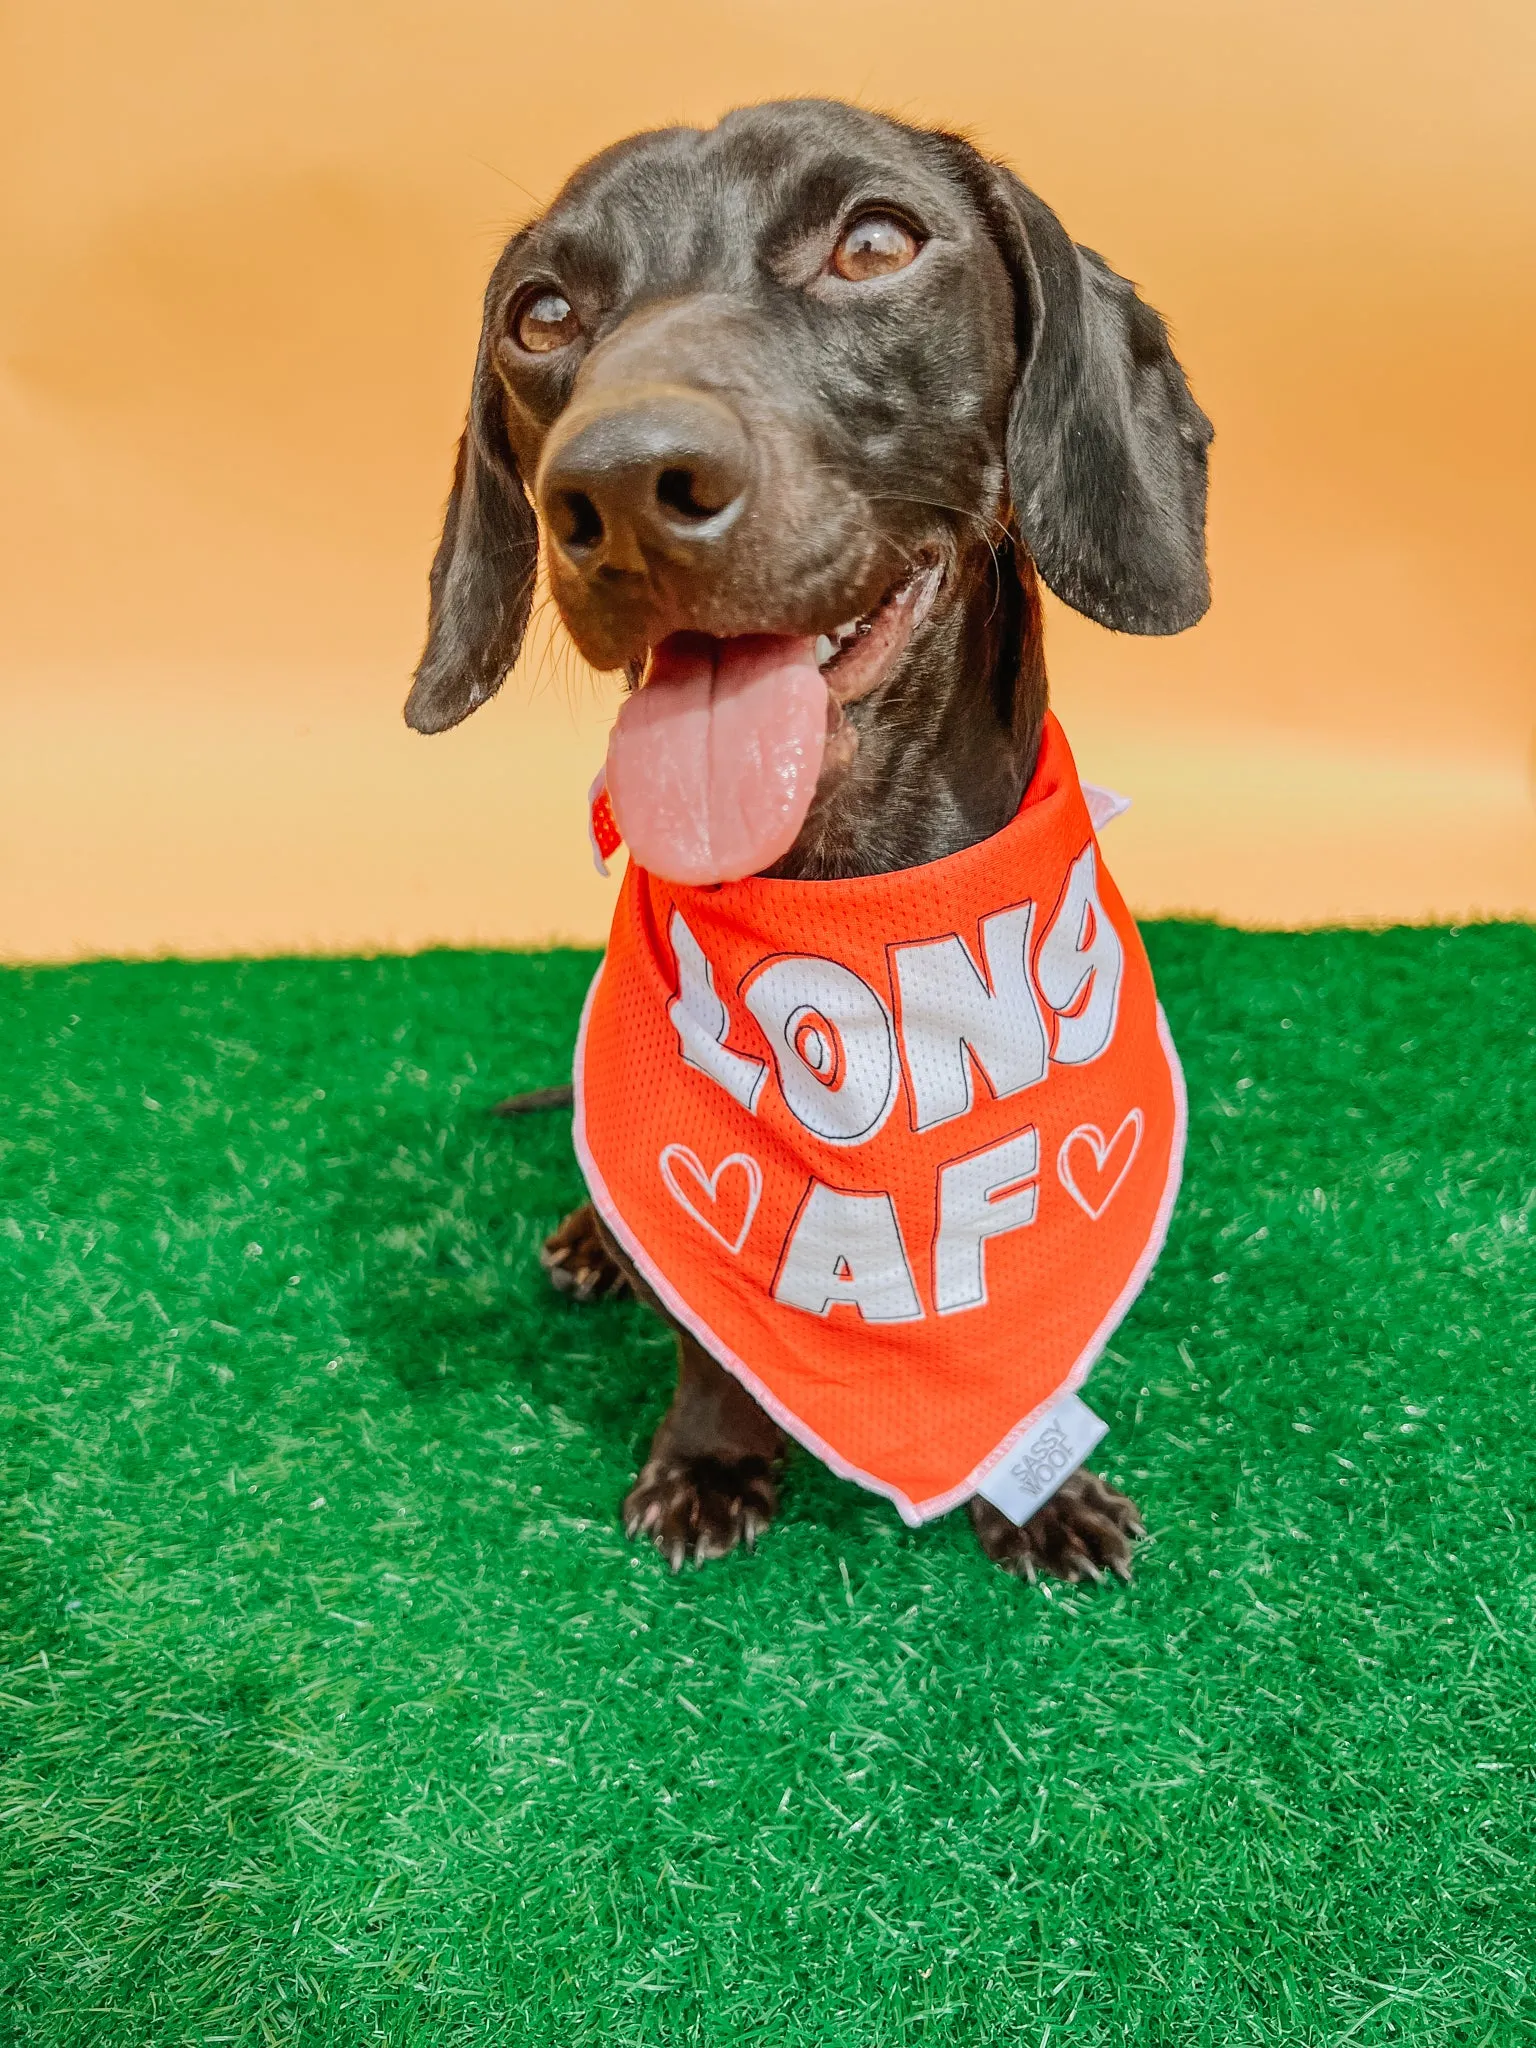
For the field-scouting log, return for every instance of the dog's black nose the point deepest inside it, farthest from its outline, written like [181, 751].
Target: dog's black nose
[656, 472]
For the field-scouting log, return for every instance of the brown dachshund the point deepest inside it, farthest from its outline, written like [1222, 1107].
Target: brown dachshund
[755, 380]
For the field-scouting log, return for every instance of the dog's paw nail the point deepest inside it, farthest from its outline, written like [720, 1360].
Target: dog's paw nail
[695, 1510]
[576, 1261]
[1081, 1534]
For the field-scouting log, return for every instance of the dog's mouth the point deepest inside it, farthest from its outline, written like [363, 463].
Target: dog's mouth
[713, 762]
[856, 658]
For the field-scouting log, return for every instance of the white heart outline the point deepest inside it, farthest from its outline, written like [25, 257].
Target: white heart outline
[711, 1181]
[1101, 1147]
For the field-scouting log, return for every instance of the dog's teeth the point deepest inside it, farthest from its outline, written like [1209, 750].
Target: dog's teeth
[825, 650]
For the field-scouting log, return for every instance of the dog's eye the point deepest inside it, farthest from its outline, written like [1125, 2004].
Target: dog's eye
[545, 321]
[874, 246]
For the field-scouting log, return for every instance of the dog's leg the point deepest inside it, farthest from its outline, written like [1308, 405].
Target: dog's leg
[578, 1260]
[1083, 1531]
[711, 1480]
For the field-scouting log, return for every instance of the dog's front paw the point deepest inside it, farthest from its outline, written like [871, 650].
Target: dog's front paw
[1083, 1531]
[578, 1262]
[701, 1507]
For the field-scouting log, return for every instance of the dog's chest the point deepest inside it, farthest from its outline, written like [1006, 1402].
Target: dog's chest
[899, 1151]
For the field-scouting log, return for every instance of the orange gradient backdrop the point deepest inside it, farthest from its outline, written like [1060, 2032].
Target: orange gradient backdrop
[243, 254]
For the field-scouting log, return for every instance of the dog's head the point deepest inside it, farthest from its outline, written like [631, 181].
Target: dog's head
[785, 377]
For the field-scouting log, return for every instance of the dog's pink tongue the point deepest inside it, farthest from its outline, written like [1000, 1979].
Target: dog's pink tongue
[713, 764]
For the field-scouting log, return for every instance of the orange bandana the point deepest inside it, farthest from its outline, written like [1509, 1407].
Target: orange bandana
[901, 1150]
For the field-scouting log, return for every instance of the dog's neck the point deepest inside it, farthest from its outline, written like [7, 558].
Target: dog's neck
[946, 748]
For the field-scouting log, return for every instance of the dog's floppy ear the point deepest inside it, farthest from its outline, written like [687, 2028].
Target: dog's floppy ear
[482, 578]
[1106, 447]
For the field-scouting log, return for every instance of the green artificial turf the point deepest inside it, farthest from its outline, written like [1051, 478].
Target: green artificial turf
[335, 1709]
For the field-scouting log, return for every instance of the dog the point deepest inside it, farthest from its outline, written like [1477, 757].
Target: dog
[788, 376]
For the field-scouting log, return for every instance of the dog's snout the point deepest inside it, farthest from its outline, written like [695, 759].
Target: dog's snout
[643, 474]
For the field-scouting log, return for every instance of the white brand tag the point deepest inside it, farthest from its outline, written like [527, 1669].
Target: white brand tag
[1026, 1475]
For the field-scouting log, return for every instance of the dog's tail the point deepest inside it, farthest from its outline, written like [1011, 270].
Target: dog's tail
[535, 1099]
